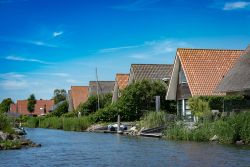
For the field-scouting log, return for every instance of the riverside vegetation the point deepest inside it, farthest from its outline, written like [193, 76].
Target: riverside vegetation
[136, 100]
[11, 138]
[134, 105]
[224, 129]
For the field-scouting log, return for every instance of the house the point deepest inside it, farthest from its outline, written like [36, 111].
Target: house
[121, 82]
[197, 72]
[150, 71]
[41, 107]
[77, 95]
[237, 80]
[103, 87]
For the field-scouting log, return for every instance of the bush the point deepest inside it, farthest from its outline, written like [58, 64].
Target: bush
[199, 107]
[70, 114]
[60, 110]
[5, 123]
[91, 105]
[229, 102]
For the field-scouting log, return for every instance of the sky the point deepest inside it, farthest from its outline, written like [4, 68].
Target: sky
[54, 44]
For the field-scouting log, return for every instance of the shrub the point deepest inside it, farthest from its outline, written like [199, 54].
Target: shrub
[70, 114]
[60, 110]
[5, 123]
[91, 105]
[199, 107]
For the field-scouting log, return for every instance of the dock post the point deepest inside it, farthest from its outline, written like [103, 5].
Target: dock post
[118, 124]
[157, 103]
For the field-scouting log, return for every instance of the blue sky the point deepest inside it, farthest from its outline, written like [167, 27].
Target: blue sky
[49, 44]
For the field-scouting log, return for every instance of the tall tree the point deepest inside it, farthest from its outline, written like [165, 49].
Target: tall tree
[31, 103]
[5, 105]
[59, 95]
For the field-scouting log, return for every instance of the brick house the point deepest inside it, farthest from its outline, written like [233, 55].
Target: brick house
[121, 82]
[41, 107]
[197, 72]
[77, 95]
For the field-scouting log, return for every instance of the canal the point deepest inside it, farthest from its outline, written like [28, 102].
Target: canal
[62, 148]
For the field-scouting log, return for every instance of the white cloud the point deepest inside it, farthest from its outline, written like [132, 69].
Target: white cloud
[27, 41]
[148, 49]
[236, 5]
[119, 48]
[137, 5]
[72, 81]
[18, 58]
[59, 74]
[39, 43]
[12, 75]
[139, 56]
[57, 33]
[14, 84]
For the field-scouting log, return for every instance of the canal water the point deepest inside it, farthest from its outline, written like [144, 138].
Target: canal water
[61, 148]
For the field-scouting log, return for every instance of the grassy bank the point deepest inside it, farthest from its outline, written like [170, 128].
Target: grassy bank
[228, 130]
[64, 123]
[10, 144]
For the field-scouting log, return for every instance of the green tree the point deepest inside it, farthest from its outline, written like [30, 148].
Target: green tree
[60, 110]
[135, 100]
[91, 105]
[31, 103]
[199, 107]
[5, 105]
[59, 95]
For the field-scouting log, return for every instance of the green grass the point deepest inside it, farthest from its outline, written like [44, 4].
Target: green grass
[65, 123]
[228, 130]
[9, 144]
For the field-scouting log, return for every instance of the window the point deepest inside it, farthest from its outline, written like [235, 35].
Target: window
[182, 77]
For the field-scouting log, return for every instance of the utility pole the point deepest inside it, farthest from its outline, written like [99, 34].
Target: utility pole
[97, 87]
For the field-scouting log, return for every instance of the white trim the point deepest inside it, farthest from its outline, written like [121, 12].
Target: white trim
[172, 89]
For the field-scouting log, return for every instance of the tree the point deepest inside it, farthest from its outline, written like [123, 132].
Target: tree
[91, 105]
[134, 101]
[5, 105]
[59, 95]
[31, 103]
[60, 110]
[199, 108]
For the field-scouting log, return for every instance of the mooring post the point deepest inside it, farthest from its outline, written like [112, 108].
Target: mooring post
[157, 103]
[118, 123]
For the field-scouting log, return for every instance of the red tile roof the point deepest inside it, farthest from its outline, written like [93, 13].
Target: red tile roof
[22, 106]
[122, 80]
[79, 94]
[204, 68]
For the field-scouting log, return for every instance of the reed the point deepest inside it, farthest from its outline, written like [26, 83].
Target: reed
[69, 124]
[228, 130]
[154, 119]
